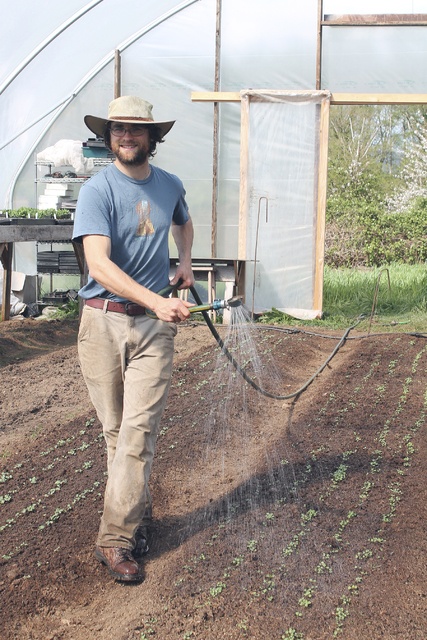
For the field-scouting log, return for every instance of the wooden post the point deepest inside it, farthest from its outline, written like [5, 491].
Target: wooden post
[244, 162]
[214, 228]
[319, 45]
[322, 180]
[117, 74]
[6, 253]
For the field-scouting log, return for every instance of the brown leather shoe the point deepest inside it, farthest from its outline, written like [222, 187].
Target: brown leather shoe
[119, 563]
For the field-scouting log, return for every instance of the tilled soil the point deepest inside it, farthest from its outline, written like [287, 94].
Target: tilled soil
[301, 517]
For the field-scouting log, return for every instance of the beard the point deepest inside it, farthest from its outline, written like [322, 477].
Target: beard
[140, 157]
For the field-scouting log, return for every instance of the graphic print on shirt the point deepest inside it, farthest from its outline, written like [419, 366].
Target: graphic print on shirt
[145, 226]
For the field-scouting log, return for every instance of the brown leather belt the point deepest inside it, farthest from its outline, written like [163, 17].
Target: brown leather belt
[129, 308]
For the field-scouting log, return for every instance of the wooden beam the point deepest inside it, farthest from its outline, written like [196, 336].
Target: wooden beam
[376, 20]
[215, 96]
[6, 253]
[235, 96]
[379, 98]
[322, 181]
[319, 45]
[244, 160]
[215, 142]
[40, 233]
[336, 98]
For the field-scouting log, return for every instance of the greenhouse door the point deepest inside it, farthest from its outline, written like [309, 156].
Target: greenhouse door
[282, 200]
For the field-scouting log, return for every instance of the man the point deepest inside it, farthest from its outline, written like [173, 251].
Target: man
[123, 217]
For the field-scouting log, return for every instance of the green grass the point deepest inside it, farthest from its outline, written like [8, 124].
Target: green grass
[392, 298]
[68, 310]
[389, 299]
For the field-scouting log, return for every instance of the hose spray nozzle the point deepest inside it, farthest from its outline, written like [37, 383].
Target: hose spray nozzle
[216, 305]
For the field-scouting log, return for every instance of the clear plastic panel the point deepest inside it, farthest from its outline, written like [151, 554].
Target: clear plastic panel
[69, 125]
[375, 59]
[62, 68]
[229, 181]
[158, 67]
[281, 220]
[24, 27]
[269, 45]
[164, 75]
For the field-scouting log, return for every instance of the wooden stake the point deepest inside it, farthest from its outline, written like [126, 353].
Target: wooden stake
[244, 161]
[321, 204]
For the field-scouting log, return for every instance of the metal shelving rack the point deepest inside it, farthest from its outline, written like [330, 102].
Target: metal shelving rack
[51, 261]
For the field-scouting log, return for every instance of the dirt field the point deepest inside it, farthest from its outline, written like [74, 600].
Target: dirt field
[291, 519]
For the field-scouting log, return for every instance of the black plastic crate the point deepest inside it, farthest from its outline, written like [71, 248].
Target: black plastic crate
[57, 262]
[56, 297]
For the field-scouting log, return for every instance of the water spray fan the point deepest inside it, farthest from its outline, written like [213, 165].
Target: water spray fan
[237, 302]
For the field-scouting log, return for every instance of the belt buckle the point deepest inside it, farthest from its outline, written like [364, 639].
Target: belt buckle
[128, 305]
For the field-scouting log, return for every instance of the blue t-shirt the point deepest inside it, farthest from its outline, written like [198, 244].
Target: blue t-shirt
[136, 215]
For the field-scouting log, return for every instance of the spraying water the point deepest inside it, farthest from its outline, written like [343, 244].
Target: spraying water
[253, 498]
[238, 464]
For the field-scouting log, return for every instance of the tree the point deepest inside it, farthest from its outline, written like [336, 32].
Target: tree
[360, 157]
[377, 175]
[413, 170]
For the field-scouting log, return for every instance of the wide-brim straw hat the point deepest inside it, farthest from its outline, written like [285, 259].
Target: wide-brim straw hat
[127, 109]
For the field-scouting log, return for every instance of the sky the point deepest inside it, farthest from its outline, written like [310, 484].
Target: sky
[374, 6]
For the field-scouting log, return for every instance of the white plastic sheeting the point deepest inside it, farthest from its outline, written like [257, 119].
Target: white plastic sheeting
[375, 59]
[167, 51]
[57, 64]
[281, 220]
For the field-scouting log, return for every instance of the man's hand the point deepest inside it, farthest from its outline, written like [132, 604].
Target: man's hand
[172, 309]
[185, 274]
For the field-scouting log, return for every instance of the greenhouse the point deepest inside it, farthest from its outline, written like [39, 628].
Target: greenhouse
[225, 438]
[249, 85]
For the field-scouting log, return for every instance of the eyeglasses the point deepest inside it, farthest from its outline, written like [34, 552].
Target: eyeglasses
[119, 130]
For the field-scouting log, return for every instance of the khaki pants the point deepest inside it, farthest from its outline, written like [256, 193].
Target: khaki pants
[127, 365]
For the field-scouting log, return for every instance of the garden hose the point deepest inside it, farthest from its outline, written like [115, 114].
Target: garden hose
[203, 308]
[245, 376]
